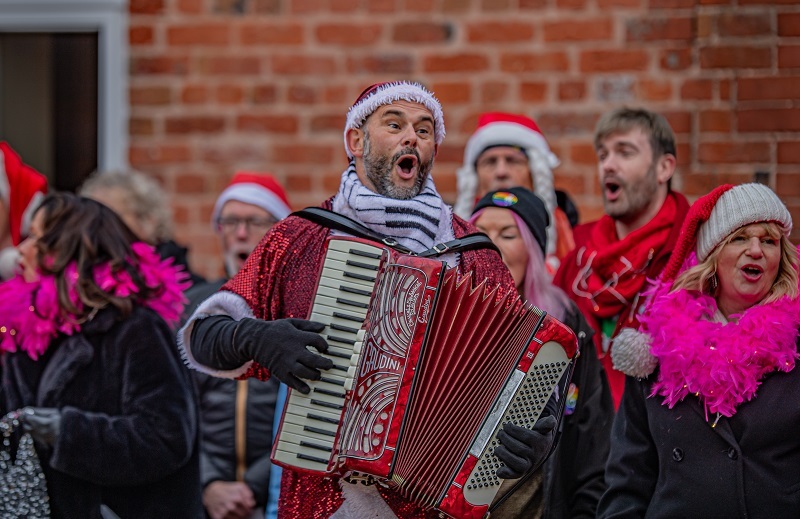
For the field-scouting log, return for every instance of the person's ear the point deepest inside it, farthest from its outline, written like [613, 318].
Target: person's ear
[665, 167]
[356, 141]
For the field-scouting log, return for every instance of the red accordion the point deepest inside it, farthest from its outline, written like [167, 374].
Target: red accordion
[427, 370]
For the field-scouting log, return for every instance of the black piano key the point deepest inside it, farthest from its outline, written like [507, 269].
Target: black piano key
[340, 368]
[323, 403]
[324, 419]
[328, 392]
[341, 340]
[360, 265]
[358, 276]
[311, 458]
[332, 381]
[364, 254]
[310, 445]
[351, 290]
[316, 430]
[339, 327]
[348, 317]
[350, 302]
[332, 353]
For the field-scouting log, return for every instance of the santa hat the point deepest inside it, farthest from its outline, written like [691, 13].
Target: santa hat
[381, 94]
[505, 129]
[710, 220]
[21, 189]
[258, 189]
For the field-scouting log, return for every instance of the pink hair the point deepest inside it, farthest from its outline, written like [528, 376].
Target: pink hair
[537, 288]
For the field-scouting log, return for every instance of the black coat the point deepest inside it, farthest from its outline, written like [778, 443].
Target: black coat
[129, 429]
[673, 463]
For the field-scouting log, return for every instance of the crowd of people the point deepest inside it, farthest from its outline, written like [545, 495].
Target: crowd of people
[151, 392]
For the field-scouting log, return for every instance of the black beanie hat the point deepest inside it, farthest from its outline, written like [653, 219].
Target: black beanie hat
[526, 204]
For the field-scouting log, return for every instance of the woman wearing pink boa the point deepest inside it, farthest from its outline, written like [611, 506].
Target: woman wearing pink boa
[90, 368]
[708, 425]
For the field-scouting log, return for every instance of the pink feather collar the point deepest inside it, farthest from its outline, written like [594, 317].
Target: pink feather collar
[30, 316]
[721, 363]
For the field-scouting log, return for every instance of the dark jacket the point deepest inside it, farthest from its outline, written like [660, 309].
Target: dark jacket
[673, 463]
[129, 419]
[573, 475]
[218, 411]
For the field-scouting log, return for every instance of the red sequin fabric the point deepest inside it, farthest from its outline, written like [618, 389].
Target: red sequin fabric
[278, 281]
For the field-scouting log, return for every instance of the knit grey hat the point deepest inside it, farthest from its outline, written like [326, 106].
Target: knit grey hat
[739, 206]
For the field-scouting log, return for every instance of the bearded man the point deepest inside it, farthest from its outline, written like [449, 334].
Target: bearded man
[615, 255]
[255, 325]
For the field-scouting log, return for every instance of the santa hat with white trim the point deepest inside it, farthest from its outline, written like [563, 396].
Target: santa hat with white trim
[506, 129]
[21, 190]
[381, 94]
[258, 189]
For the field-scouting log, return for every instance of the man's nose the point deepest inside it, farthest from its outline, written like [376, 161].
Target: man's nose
[410, 137]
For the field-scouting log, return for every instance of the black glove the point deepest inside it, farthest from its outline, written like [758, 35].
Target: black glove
[522, 450]
[280, 346]
[43, 424]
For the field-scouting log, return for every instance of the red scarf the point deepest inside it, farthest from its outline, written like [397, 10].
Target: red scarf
[611, 272]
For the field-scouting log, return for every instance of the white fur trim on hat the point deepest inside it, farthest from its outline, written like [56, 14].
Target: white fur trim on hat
[254, 194]
[219, 303]
[631, 355]
[541, 162]
[739, 206]
[388, 93]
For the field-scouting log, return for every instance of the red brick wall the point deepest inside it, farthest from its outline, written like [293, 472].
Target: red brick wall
[221, 85]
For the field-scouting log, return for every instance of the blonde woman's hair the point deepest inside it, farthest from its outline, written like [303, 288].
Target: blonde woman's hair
[701, 276]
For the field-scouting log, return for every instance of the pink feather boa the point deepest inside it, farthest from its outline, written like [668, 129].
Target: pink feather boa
[722, 364]
[30, 316]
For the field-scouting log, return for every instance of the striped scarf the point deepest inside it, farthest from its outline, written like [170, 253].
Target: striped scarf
[418, 223]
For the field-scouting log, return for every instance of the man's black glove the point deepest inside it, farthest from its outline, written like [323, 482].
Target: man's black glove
[521, 450]
[43, 424]
[280, 346]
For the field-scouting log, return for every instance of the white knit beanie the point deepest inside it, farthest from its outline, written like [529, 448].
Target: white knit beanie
[381, 94]
[739, 206]
[505, 129]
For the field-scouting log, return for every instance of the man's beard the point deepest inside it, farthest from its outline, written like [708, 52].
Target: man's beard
[379, 171]
[637, 197]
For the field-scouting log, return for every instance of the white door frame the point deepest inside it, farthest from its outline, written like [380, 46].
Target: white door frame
[109, 18]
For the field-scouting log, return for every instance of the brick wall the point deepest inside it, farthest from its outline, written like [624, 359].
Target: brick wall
[221, 85]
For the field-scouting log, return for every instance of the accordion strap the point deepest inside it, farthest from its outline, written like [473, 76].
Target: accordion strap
[342, 223]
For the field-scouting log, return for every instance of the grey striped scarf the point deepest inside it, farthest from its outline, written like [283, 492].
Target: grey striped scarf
[418, 223]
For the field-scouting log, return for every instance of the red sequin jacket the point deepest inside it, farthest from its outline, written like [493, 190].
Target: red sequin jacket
[278, 281]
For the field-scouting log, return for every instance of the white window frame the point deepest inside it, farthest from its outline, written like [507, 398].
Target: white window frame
[109, 18]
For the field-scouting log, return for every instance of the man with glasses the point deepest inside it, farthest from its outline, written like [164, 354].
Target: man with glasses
[237, 416]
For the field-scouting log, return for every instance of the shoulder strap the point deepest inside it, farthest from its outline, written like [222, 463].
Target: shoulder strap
[342, 223]
[337, 221]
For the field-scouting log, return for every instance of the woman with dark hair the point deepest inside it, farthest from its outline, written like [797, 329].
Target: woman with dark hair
[709, 426]
[570, 483]
[89, 360]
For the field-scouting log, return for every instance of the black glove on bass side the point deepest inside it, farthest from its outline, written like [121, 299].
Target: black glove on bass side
[43, 424]
[522, 450]
[221, 342]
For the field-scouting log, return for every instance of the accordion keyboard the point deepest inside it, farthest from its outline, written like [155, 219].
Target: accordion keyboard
[345, 287]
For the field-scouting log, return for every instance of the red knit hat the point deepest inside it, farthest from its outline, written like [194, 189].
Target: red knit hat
[21, 189]
[258, 189]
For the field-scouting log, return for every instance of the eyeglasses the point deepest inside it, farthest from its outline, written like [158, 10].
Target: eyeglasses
[230, 224]
[513, 160]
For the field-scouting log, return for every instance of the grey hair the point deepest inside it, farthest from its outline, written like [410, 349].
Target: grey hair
[144, 197]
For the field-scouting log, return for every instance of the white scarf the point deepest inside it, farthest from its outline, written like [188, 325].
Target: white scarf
[418, 223]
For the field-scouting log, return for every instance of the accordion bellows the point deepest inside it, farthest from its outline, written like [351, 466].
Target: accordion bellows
[428, 368]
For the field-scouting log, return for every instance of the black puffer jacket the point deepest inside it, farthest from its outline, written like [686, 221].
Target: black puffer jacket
[129, 430]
